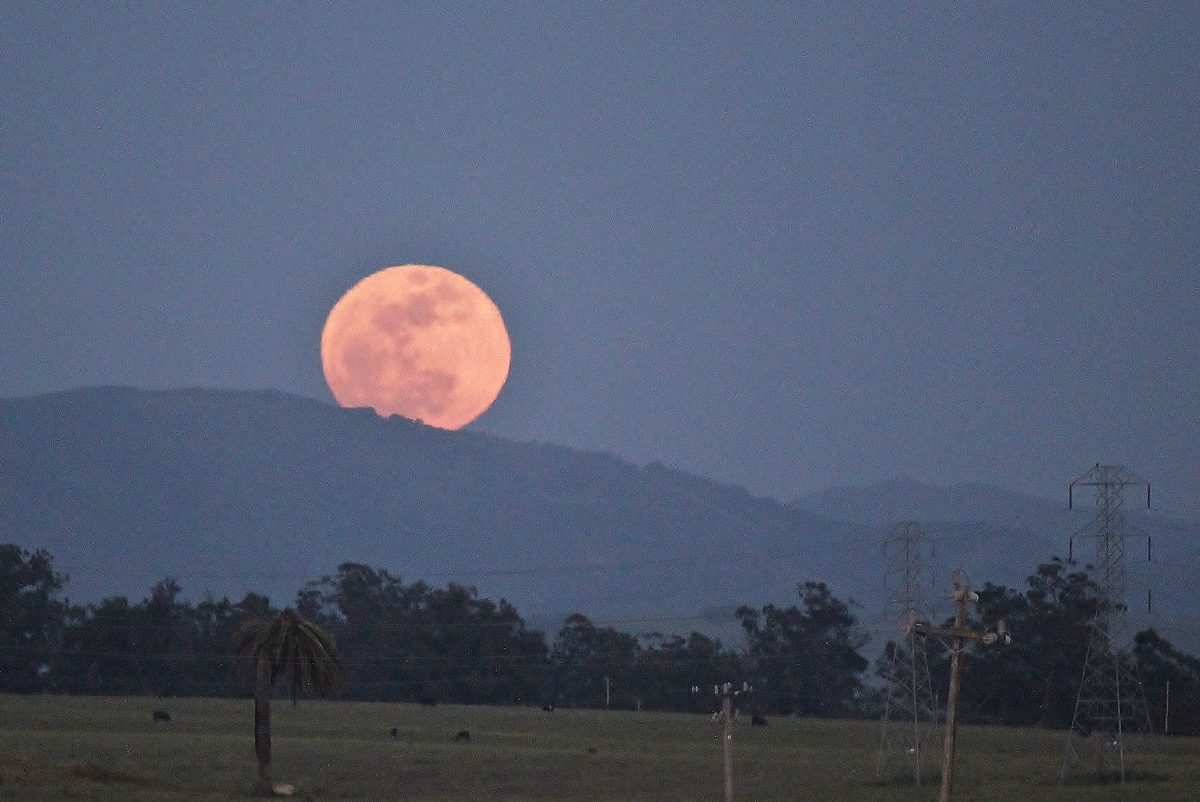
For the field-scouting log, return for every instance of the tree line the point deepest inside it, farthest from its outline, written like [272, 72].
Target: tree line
[417, 643]
[1035, 680]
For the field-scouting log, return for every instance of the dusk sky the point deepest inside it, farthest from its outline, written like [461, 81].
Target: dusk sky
[785, 245]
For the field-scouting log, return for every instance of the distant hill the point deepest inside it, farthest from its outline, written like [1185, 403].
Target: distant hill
[1000, 536]
[895, 500]
[230, 491]
[995, 535]
[234, 491]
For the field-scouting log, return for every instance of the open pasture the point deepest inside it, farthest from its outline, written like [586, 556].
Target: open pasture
[111, 749]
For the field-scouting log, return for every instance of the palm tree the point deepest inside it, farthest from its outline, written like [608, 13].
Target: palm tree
[286, 644]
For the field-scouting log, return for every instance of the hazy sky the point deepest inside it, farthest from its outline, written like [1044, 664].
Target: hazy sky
[786, 245]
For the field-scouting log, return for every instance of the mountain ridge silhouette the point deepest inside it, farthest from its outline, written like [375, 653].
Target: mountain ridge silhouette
[230, 491]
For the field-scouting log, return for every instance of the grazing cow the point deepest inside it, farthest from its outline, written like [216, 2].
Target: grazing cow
[463, 735]
[162, 715]
[757, 721]
[395, 732]
[548, 708]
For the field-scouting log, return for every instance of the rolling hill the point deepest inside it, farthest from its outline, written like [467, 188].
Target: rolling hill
[233, 491]
[230, 491]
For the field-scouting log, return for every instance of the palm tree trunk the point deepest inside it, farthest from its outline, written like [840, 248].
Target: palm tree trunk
[262, 727]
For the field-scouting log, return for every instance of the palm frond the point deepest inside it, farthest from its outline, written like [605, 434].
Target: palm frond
[290, 644]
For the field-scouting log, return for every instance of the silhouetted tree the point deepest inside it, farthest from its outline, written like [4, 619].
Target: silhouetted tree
[287, 644]
[805, 659]
[584, 655]
[161, 645]
[31, 618]
[102, 649]
[482, 649]
[214, 622]
[417, 643]
[1035, 680]
[1160, 663]
[669, 667]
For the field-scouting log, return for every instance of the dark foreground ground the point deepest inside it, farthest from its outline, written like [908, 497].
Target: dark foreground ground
[111, 749]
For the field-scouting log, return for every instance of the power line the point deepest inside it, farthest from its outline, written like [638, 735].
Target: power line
[722, 558]
[167, 622]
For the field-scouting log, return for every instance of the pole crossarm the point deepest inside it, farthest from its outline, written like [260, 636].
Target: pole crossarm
[922, 628]
[989, 637]
[1107, 477]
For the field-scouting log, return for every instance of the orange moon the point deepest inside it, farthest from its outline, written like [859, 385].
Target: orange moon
[417, 341]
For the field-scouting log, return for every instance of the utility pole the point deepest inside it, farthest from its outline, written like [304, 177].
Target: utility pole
[1167, 711]
[607, 692]
[958, 634]
[727, 742]
[727, 692]
[1111, 702]
[910, 710]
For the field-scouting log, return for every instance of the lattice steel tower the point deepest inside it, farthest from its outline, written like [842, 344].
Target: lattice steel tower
[909, 727]
[1111, 705]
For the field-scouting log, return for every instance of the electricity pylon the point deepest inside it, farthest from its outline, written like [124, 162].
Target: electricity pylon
[1111, 704]
[908, 729]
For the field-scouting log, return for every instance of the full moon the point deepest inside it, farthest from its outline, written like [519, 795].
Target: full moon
[417, 341]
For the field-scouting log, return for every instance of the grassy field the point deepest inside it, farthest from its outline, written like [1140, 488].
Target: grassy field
[110, 749]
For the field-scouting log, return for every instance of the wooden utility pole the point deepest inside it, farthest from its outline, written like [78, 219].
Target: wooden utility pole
[1167, 712]
[727, 741]
[958, 634]
[727, 691]
[961, 594]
